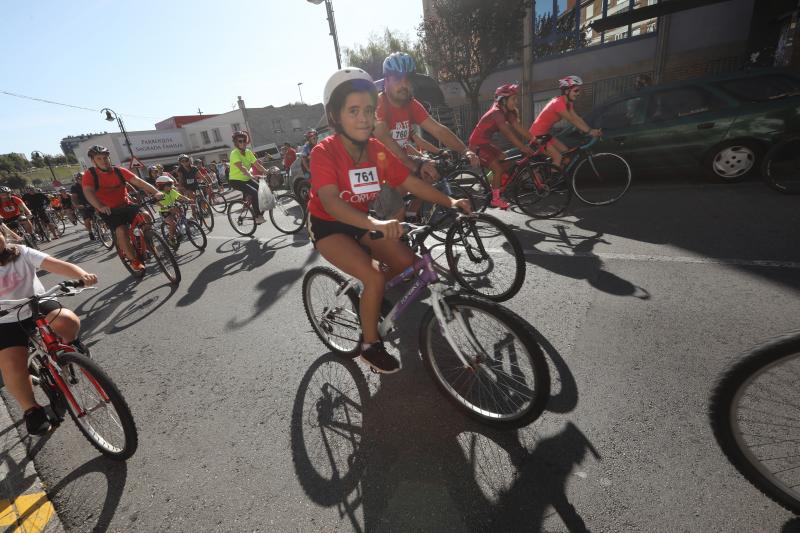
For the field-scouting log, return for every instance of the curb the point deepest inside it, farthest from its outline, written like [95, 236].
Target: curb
[24, 505]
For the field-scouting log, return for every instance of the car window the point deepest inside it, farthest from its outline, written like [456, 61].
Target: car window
[629, 112]
[761, 88]
[678, 103]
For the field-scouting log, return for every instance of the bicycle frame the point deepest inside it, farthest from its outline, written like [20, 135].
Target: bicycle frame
[427, 278]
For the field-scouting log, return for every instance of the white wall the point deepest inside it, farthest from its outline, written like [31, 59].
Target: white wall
[223, 122]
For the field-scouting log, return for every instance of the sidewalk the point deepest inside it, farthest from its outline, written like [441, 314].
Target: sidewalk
[24, 506]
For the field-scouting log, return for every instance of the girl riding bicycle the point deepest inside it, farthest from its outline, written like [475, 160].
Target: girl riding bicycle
[502, 117]
[166, 206]
[560, 107]
[347, 171]
[18, 266]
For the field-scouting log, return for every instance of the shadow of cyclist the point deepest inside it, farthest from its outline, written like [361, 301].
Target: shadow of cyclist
[246, 256]
[391, 454]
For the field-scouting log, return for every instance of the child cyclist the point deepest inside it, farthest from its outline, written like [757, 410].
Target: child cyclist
[347, 170]
[18, 266]
[503, 116]
[166, 206]
[560, 107]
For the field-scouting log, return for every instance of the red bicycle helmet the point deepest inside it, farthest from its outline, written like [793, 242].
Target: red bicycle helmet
[504, 91]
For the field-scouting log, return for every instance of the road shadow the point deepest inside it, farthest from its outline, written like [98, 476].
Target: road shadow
[390, 453]
[240, 256]
[574, 258]
[102, 304]
[140, 308]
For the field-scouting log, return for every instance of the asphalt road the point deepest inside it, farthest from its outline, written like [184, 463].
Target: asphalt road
[247, 424]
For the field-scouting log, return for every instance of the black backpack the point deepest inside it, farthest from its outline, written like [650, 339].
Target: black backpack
[97, 179]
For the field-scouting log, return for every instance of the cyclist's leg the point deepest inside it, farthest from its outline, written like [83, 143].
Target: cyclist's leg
[169, 218]
[65, 323]
[393, 253]
[343, 252]
[27, 225]
[14, 368]
[554, 149]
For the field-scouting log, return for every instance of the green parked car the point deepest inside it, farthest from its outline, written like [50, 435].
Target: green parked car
[722, 125]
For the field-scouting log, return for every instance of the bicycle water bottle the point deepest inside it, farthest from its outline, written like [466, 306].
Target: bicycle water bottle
[137, 232]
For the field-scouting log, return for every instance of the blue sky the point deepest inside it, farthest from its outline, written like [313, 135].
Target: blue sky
[149, 60]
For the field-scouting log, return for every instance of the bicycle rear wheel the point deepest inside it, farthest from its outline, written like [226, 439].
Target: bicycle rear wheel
[505, 382]
[100, 411]
[485, 257]
[755, 414]
[242, 219]
[441, 218]
[60, 225]
[475, 184]
[781, 168]
[196, 235]
[541, 190]
[163, 256]
[103, 233]
[288, 216]
[601, 179]
[173, 242]
[218, 202]
[333, 316]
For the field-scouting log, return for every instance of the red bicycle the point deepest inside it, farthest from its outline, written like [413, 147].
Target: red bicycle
[74, 383]
[148, 245]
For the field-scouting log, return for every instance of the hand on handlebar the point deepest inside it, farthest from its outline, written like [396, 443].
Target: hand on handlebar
[105, 210]
[595, 133]
[89, 279]
[429, 172]
[391, 229]
[462, 204]
[473, 158]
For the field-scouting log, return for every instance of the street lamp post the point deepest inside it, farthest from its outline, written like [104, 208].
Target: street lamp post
[111, 115]
[332, 25]
[300, 91]
[46, 162]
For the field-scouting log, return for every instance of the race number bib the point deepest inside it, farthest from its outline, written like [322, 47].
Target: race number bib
[364, 180]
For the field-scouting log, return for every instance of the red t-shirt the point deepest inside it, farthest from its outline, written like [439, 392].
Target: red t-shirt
[400, 119]
[549, 116]
[289, 157]
[358, 184]
[10, 208]
[489, 124]
[111, 192]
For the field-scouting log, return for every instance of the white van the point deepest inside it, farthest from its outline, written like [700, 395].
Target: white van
[268, 154]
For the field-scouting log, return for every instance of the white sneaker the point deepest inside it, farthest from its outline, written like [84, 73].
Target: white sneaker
[260, 219]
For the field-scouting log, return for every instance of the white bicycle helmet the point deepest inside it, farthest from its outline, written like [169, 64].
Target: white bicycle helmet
[568, 82]
[163, 181]
[341, 76]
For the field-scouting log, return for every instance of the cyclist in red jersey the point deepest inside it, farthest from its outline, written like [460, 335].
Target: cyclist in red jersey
[503, 116]
[13, 209]
[347, 170]
[105, 188]
[560, 107]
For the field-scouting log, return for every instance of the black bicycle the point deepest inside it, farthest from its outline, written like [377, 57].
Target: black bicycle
[755, 414]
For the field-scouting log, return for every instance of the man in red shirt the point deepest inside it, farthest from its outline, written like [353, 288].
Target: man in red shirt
[12, 208]
[560, 107]
[105, 187]
[397, 113]
[289, 156]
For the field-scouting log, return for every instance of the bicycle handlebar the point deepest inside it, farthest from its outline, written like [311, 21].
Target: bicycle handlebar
[62, 287]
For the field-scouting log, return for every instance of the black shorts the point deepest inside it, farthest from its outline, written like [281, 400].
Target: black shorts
[120, 216]
[17, 333]
[191, 186]
[66, 205]
[13, 222]
[319, 228]
[87, 212]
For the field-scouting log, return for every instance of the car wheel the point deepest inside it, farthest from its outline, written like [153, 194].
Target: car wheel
[733, 161]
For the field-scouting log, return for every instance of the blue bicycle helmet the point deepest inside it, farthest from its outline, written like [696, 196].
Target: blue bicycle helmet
[399, 63]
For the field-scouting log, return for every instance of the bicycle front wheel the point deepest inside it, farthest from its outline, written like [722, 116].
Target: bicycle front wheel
[503, 379]
[163, 256]
[205, 215]
[781, 168]
[99, 410]
[173, 242]
[475, 184]
[218, 202]
[60, 225]
[441, 218]
[485, 257]
[333, 316]
[601, 179]
[196, 235]
[541, 191]
[755, 414]
[242, 218]
[288, 216]
[103, 233]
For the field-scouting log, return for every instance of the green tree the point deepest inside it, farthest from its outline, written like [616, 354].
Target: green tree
[466, 40]
[370, 56]
[14, 182]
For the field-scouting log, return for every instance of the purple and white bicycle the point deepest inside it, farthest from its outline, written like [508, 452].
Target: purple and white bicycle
[481, 355]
